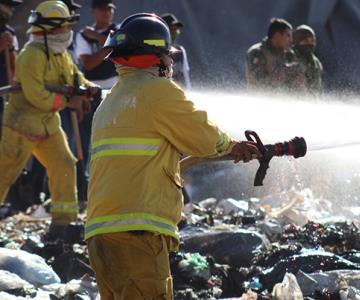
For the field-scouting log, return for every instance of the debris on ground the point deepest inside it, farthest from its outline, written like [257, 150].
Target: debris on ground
[230, 249]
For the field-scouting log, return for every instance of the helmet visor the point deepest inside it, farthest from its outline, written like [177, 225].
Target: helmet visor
[37, 19]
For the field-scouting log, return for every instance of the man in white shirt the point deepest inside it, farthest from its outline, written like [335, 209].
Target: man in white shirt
[90, 55]
[89, 43]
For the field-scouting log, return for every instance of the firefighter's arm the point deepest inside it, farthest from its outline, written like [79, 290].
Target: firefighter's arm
[185, 127]
[30, 73]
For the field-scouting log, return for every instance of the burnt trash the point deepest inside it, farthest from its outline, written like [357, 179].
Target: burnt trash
[227, 244]
[33, 244]
[196, 214]
[248, 219]
[336, 237]
[71, 265]
[75, 233]
[6, 211]
[353, 256]
[307, 262]
[208, 204]
[190, 269]
[230, 206]
[23, 193]
[271, 228]
[233, 279]
[331, 281]
[186, 294]
[267, 259]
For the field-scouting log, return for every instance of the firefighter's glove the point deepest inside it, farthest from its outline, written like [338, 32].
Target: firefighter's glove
[93, 91]
[86, 107]
[245, 151]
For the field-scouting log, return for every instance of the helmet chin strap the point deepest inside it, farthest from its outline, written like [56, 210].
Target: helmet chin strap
[45, 40]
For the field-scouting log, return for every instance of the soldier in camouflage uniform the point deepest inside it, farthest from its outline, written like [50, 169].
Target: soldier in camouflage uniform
[304, 41]
[271, 63]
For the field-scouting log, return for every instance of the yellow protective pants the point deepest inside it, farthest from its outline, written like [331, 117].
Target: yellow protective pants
[131, 266]
[55, 155]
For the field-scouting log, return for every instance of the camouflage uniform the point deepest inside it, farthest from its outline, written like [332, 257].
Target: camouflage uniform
[306, 57]
[313, 71]
[268, 67]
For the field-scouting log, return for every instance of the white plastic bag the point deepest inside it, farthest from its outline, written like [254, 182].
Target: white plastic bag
[287, 290]
[27, 266]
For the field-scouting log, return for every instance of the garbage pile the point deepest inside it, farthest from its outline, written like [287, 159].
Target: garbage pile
[267, 249]
[33, 269]
[230, 249]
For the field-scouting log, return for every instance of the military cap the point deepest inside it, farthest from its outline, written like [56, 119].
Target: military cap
[301, 32]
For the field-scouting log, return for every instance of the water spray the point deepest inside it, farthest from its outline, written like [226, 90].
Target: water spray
[295, 147]
[329, 146]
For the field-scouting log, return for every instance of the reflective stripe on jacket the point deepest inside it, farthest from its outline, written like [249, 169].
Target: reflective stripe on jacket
[138, 133]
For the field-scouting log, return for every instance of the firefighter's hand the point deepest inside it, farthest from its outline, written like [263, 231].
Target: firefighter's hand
[93, 91]
[75, 102]
[86, 107]
[6, 41]
[245, 151]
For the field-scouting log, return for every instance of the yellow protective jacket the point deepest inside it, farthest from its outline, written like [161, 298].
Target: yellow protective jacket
[34, 111]
[138, 133]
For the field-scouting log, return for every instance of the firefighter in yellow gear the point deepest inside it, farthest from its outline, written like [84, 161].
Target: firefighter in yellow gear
[31, 123]
[138, 133]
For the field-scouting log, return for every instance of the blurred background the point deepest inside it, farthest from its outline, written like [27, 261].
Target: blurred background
[217, 34]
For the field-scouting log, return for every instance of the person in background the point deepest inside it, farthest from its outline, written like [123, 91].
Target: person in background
[139, 131]
[33, 179]
[66, 122]
[31, 122]
[65, 113]
[181, 69]
[304, 45]
[271, 64]
[8, 47]
[91, 56]
[73, 8]
[89, 45]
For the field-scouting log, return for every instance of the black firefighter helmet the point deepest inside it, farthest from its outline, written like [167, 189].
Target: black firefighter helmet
[139, 34]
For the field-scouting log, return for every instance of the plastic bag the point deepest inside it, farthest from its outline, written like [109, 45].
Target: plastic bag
[287, 290]
[27, 266]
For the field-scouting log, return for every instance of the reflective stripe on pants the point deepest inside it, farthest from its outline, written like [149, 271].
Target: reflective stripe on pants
[54, 154]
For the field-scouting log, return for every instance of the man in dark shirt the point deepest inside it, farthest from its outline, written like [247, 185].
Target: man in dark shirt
[181, 70]
[90, 54]
[304, 40]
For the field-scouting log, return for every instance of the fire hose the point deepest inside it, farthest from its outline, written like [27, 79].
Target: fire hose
[295, 147]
